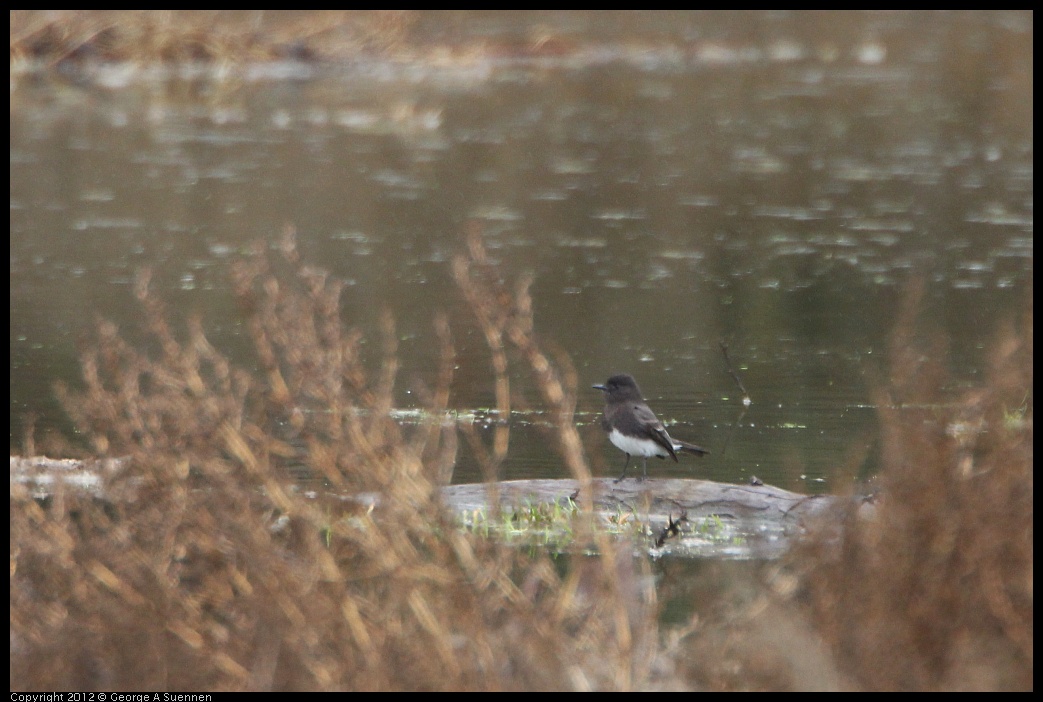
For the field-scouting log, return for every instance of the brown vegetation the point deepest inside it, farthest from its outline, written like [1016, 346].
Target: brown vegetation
[933, 591]
[205, 568]
[56, 36]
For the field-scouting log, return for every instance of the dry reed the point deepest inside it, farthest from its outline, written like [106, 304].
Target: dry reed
[56, 37]
[928, 587]
[204, 568]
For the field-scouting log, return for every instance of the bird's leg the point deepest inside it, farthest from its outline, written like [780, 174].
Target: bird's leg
[625, 466]
[644, 468]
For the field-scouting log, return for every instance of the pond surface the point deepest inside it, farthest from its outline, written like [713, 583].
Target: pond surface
[774, 189]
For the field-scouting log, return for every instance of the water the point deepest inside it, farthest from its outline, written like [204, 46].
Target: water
[773, 189]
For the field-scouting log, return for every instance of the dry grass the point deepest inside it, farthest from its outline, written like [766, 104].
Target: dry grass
[69, 39]
[933, 589]
[57, 36]
[935, 592]
[205, 569]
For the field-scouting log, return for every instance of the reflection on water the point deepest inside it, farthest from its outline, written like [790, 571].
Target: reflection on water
[772, 192]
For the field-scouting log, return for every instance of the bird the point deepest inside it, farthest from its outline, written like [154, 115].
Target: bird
[632, 426]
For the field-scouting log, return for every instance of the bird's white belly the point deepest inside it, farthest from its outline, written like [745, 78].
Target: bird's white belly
[636, 447]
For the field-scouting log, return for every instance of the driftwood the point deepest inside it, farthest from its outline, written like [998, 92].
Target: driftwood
[749, 521]
[39, 475]
[753, 521]
[657, 496]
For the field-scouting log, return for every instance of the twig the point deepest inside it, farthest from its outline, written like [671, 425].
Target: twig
[672, 528]
[746, 401]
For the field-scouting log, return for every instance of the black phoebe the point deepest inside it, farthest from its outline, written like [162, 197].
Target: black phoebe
[633, 427]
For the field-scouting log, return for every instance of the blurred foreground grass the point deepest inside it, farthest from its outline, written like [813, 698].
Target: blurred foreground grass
[56, 36]
[203, 568]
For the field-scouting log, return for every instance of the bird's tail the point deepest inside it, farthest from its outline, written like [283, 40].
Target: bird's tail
[690, 448]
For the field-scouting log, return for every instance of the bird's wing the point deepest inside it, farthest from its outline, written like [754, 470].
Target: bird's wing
[656, 430]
